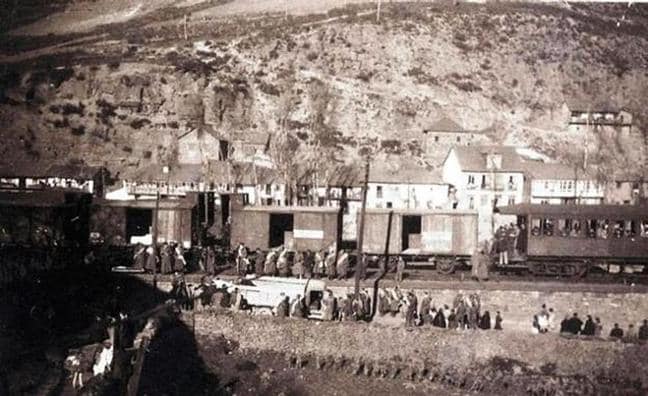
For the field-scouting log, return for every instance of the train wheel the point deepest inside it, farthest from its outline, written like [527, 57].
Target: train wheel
[537, 269]
[446, 267]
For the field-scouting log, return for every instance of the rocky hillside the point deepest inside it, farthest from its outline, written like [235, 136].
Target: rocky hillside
[324, 85]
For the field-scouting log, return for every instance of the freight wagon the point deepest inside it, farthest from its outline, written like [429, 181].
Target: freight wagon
[429, 237]
[295, 227]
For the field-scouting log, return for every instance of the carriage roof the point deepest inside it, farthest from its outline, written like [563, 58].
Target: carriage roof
[566, 211]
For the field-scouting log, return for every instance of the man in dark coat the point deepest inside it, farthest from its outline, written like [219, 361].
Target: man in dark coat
[589, 327]
[574, 324]
[412, 306]
[498, 321]
[643, 331]
[485, 321]
[616, 332]
[453, 323]
[258, 262]
[210, 260]
[282, 308]
[166, 263]
[139, 259]
[439, 319]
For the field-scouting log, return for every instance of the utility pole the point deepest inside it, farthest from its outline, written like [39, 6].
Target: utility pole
[378, 12]
[361, 228]
[155, 234]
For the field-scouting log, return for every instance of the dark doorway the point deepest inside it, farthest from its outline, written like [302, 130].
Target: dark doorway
[138, 222]
[523, 238]
[411, 225]
[279, 224]
[225, 208]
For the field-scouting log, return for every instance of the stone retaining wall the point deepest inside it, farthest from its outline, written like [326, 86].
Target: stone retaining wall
[433, 349]
[518, 307]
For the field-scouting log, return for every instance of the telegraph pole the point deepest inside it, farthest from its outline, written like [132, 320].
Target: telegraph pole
[361, 228]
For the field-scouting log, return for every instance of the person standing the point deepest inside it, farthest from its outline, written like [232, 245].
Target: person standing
[498, 321]
[282, 263]
[281, 310]
[139, 259]
[318, 264]
[363, 264]
[331, 270]
[298, 267]
[400, 269]
[589, 328]
[241, 256]
[166, 265]
[616, 332]
[643, 331]
[598, 327]
[343, 265]
[210, 260]
[151, 260]
[309, 262]
[270, 265]
[412, 305]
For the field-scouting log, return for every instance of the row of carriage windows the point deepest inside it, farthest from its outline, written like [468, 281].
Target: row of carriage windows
[589, 228]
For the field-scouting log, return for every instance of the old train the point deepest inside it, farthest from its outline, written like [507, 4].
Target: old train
[570, 240]
[554, 240]
[426, 237]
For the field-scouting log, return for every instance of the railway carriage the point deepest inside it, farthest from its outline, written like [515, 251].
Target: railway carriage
[569, 240]
[441, 238]
[295, 227]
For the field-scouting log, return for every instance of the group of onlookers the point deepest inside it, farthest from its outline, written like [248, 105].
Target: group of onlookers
[545, 321]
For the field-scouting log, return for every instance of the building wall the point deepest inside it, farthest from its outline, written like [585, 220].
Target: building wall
[193, 149]
[564, 191]
[433, 139]
[407, 196]
[624, 192]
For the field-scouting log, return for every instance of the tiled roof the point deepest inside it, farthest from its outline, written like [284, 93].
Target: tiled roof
[338, 175]
[589, 105]
[473, 158]
[554, 171]
[445, 124]
[403, 170]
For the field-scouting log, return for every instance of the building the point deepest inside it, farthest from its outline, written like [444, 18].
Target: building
[553, 183]
[446, 132]
[39, 176]
[626, 189]
[203, 144]
[245, 147]
[585, 116]
[404, 183]
[483, 177]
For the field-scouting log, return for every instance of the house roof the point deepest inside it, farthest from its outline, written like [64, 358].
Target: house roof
[256, 138]
[74, 171]
[337, 175]
[554, 171]
[445, 124]
[589, 105]
[219, 172]
[403, 170]
[567, 211]
[473, 158]
[24, 169]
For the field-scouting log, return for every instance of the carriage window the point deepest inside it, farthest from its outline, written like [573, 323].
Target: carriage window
[618, 229]
[536, 227]
[547, 227]
[563, 227]
[602, 229]
[575, 230]
[644, 229]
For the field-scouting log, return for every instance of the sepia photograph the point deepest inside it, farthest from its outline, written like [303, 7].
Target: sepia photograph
[323, 198]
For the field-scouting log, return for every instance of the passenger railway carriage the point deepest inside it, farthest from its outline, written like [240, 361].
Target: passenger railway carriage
[571, 239]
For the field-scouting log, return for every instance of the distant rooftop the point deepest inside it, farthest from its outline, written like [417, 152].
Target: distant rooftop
[403, 170]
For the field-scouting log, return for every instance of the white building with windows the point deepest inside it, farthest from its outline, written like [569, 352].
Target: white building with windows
[562, 184]
[484, 177]
[403, 183]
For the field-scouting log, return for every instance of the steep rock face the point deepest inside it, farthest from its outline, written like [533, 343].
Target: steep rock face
[338, 85]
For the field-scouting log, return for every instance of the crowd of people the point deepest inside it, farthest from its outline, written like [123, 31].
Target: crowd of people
[545, 322]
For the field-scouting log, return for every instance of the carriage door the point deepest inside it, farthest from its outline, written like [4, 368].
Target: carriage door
[411, 232]
[524, 234]
[280, 223]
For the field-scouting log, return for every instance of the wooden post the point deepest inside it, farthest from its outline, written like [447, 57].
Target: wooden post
[361, 228]
[185, 27]
[383, 271]
[378, 12]
[154, 237]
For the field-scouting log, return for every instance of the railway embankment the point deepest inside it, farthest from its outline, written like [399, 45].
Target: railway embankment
[518, 302]
[486, 361]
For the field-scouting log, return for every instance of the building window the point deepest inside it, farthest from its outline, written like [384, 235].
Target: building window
[618, 184]
[379, 192]
[458, 139]
[268, 189]
[511, 200]
[436, 139]
[471, 202]
[483, 181]
[389, 204]
[471, 179]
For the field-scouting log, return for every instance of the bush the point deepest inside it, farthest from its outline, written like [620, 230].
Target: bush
[312, 56]
[139, 123]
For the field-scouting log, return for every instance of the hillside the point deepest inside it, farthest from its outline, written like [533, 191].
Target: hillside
[119, 90]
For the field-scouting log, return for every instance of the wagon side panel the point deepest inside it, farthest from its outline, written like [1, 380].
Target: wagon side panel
[251, 228]
[314, 231]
